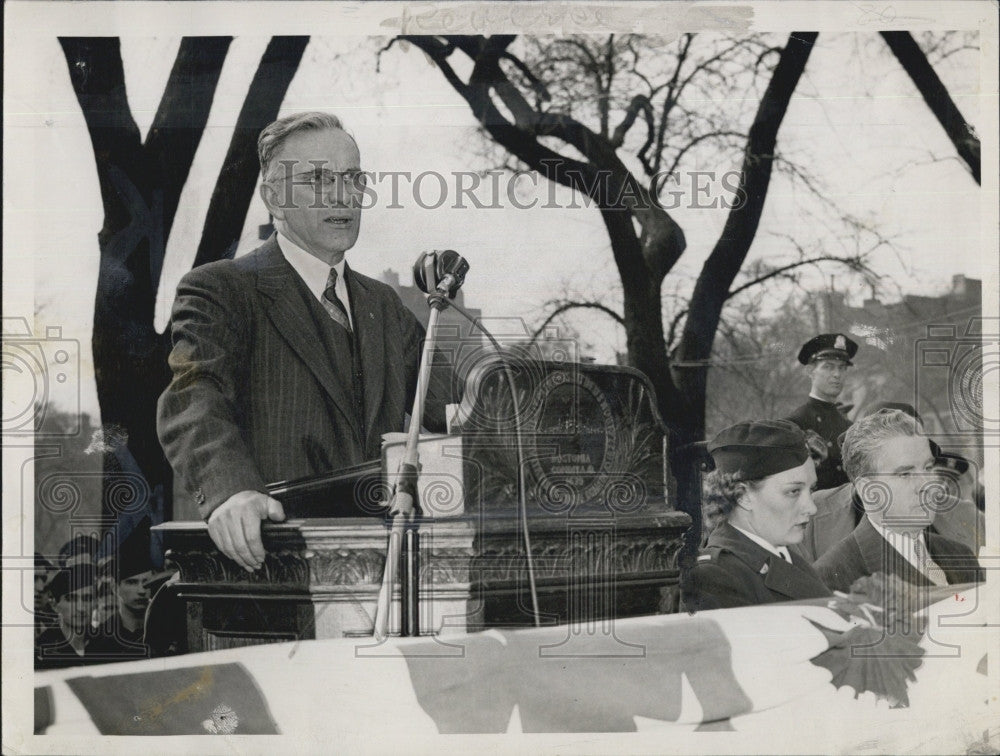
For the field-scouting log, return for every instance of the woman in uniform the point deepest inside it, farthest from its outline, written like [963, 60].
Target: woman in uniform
[762, 487]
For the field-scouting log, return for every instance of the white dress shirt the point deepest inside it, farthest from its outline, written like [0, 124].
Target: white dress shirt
[314, 272]
[903, 543]
[781, 551]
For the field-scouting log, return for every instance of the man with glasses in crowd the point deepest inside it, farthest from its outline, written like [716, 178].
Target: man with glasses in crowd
[891, 464]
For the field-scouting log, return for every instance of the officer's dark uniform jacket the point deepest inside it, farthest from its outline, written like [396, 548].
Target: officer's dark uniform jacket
[733, 571]
[827, 420]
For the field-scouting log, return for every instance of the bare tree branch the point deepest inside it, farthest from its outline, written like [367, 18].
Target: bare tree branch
[574, 305]
[935, 94]
[730, 251]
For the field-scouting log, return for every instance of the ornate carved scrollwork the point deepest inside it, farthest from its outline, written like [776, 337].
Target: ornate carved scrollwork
[281, 569]
[305, 568]
[597, 553]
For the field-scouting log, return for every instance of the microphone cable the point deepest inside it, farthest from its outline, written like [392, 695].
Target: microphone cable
[521, 494]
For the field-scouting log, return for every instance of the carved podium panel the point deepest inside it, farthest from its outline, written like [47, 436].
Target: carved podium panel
[604, 536]
[597, 514]
[320, 580]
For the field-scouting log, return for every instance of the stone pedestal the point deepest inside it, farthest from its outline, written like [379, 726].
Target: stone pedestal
[322, 576]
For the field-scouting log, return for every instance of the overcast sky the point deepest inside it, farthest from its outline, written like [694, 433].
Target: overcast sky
[856, 119]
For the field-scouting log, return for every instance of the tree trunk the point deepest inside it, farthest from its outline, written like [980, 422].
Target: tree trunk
[234, 189]
[140, 188]
[730, 251]
[644, 261]
[721, 268]
[959, 131]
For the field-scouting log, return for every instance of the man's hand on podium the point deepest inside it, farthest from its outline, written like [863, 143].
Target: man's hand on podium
[235, 526]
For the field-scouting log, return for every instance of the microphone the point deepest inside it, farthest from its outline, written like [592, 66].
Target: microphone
[447, 268]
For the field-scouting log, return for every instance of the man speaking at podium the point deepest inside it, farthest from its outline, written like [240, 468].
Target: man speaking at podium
[286, 363]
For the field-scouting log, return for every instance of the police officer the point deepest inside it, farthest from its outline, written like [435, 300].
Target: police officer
[827, 358]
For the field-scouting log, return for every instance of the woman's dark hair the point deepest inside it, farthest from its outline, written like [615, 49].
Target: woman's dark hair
[720, 492]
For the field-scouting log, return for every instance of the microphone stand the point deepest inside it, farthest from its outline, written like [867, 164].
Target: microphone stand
[402, 509]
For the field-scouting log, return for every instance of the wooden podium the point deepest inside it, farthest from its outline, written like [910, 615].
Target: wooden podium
[320, 580]
[604, 535]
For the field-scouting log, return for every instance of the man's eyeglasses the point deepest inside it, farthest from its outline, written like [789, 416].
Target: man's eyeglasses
[323, 180]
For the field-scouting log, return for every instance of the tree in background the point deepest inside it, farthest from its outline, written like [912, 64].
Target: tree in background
[566, 107]
[612, 117]
[141, 183]
[67, 497]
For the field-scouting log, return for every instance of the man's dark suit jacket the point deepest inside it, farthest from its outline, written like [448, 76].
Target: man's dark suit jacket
[957, 519]
[865, 552]
[732, 571]
[826, 419]
[255, 396]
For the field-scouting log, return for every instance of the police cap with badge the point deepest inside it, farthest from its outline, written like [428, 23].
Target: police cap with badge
[828, 346]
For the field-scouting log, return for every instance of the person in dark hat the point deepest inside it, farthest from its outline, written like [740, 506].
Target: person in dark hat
[891, 464]
[763, 480]
[71, 593]
[827, 358]
[839, 510]
[134, 581]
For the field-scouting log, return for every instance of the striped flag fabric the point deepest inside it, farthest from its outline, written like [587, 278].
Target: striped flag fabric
[743, 670]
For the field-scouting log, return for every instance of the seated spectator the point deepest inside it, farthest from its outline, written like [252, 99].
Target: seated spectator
[71, 593]
[715, 505]
[839, 510]
[762, 486]
[891, 465]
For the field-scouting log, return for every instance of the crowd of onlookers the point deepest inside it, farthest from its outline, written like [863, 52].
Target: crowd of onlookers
[92, 601]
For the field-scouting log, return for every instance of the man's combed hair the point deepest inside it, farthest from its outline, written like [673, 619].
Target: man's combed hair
[275, 134]
[863, 439]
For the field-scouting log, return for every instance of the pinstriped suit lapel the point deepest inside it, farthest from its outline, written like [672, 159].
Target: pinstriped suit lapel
[275, 280]
[370, 332]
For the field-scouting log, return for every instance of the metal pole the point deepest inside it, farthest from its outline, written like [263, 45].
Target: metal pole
[402, 505]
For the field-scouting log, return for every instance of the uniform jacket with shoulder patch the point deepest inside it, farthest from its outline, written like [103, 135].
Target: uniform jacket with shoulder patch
[733, 571]
[826, 419]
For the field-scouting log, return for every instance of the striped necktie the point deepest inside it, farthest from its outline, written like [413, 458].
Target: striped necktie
[333, 304]
[927, 565]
